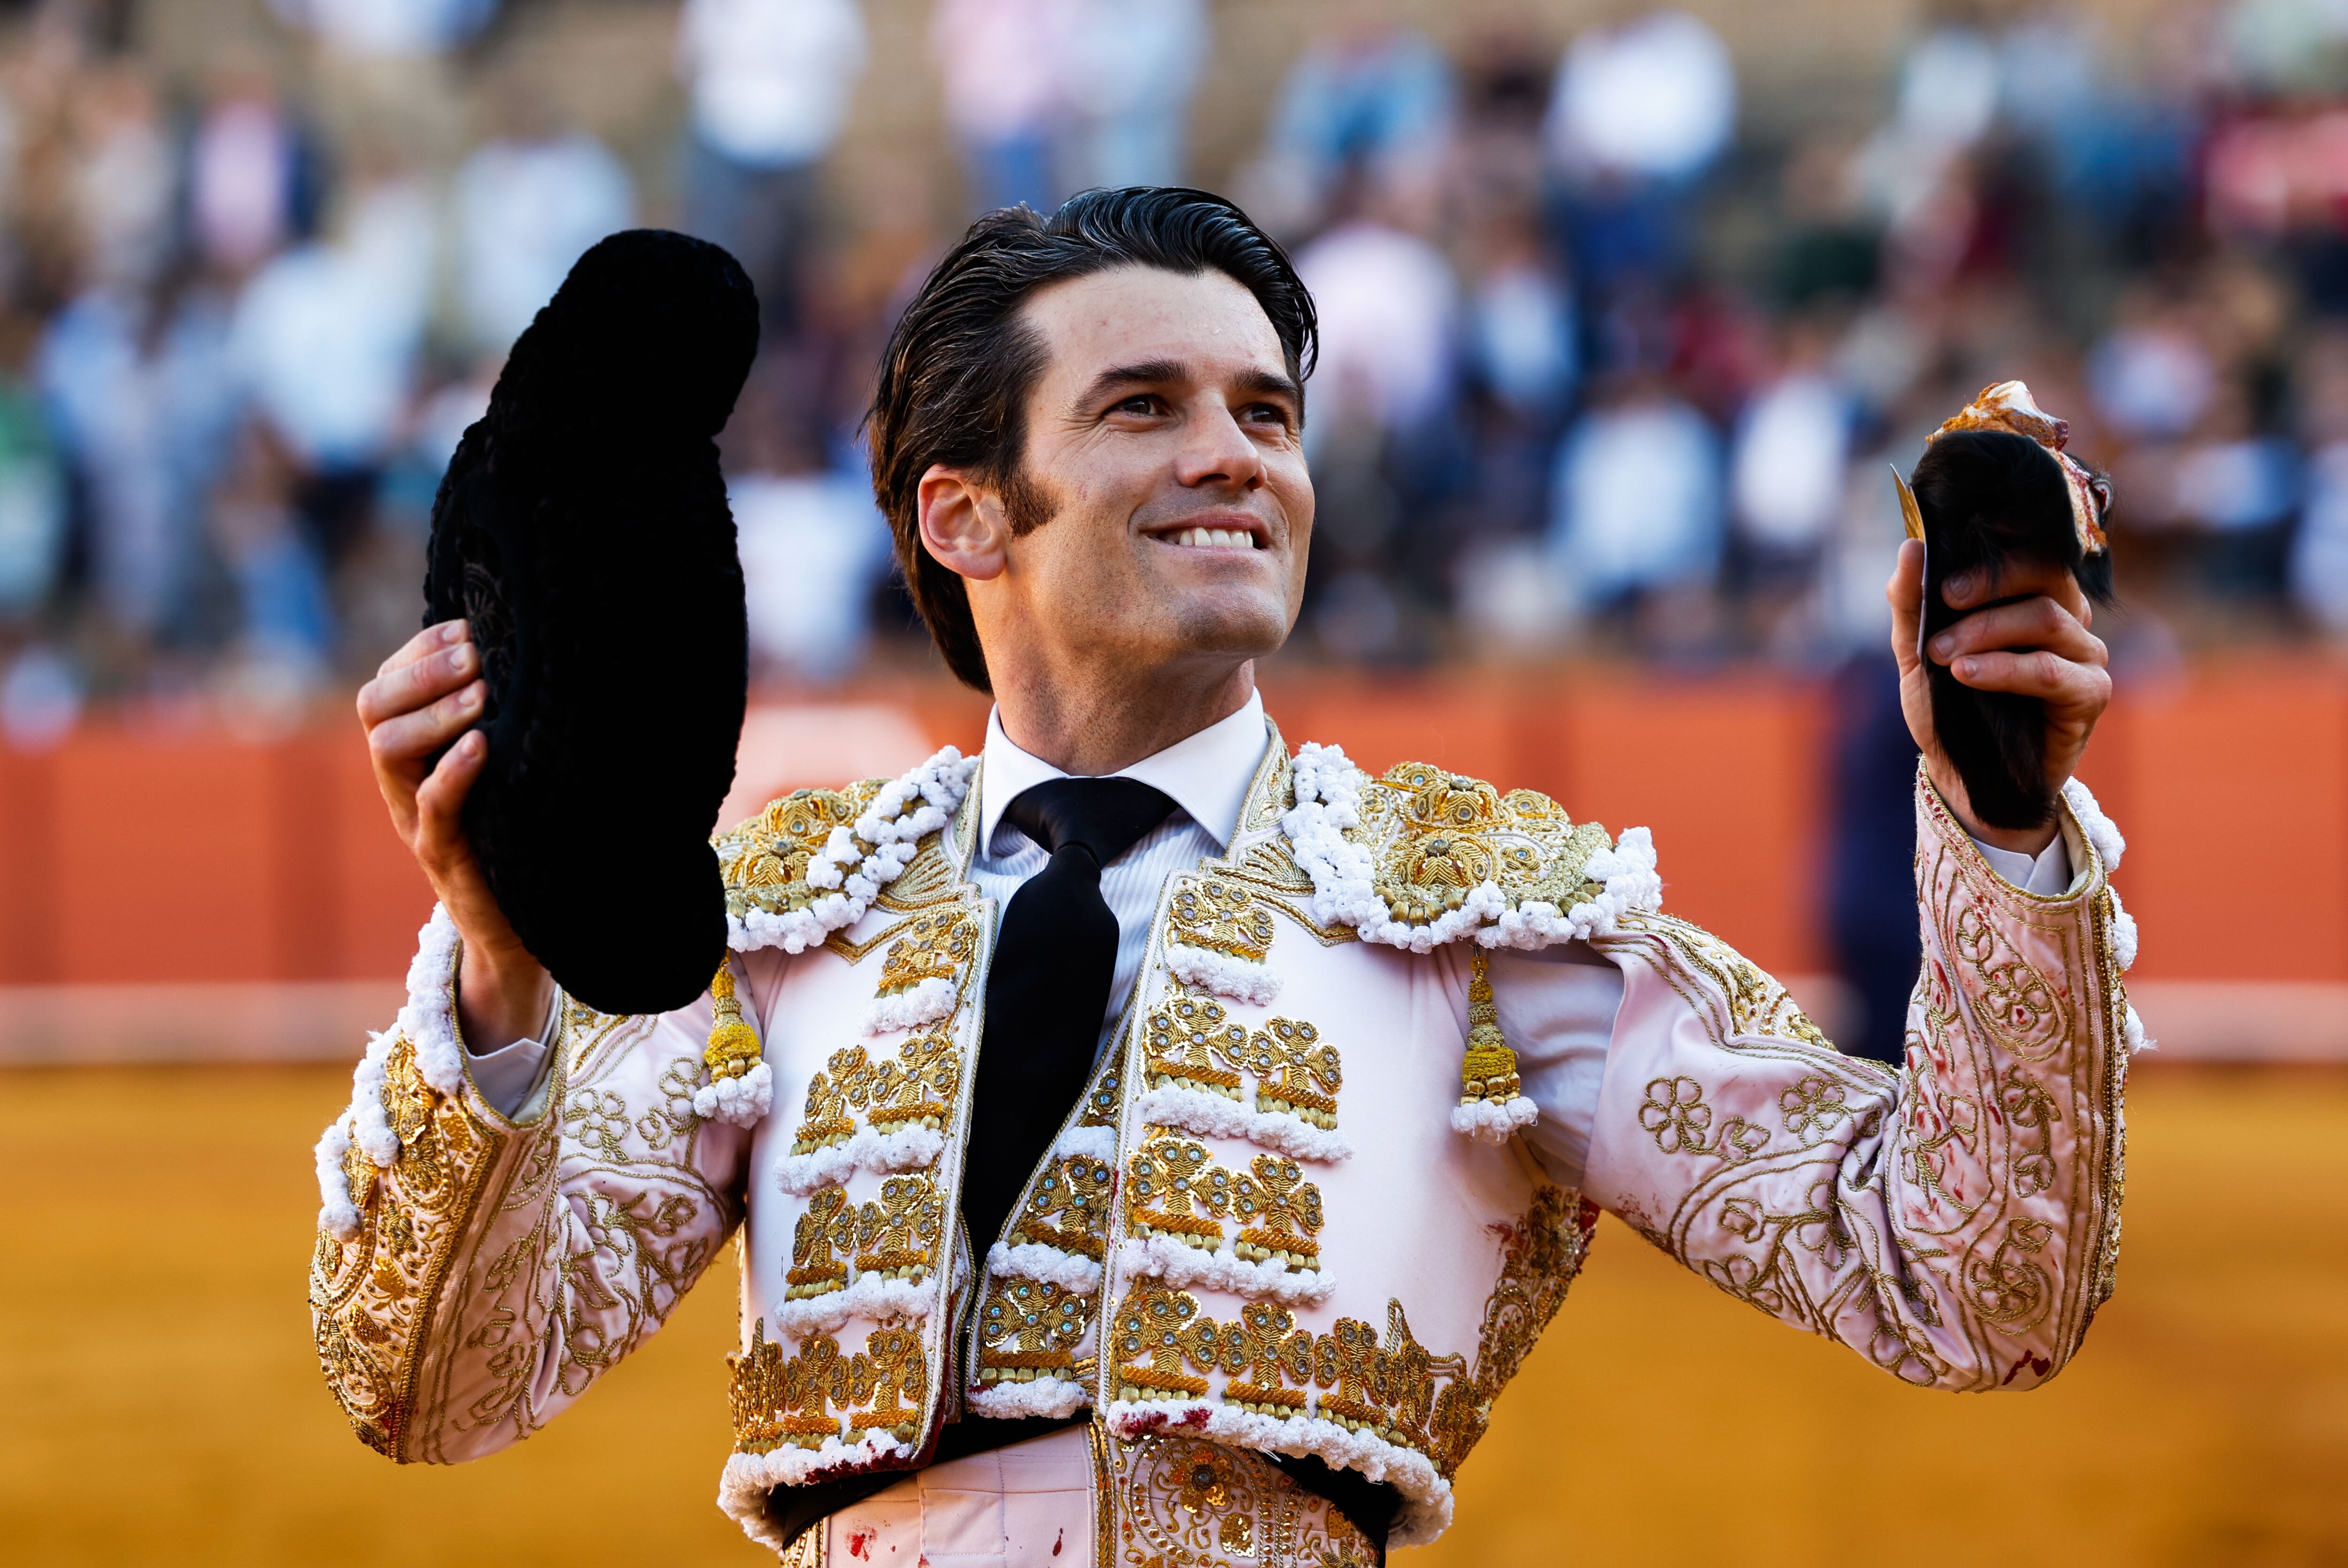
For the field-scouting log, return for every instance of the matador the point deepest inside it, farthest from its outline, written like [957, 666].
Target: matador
[1148, 1142]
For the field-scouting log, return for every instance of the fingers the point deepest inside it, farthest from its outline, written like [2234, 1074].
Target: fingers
[440, 802]
[400, 745]
[405, 685]
[2039, 624]
[1967, 589]
[440, 634]
[2062, 683]
[1906, 593]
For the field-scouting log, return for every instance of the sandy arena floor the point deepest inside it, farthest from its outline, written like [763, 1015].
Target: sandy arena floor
[159, 1403]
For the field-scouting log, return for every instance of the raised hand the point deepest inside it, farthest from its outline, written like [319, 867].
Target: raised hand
[427, 696]
[2037, 646]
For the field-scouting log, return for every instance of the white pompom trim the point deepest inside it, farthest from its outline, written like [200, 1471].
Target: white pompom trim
[1328, 803]
[1195, 1110]
[2131, 1032]
[853, 873]
[1488, 1123]
[926, 1002]
[742, 1490]
[1179, 1263]
[426, 1021]
[337, 1215]
[2123, 932]
[1090, 1142]
[2101, 832]
[1033, 1260]
[743, 1101]
[1233, 979]
[907, 1149]
[1053, 1397]
[868, 1297]
[1426, 1496]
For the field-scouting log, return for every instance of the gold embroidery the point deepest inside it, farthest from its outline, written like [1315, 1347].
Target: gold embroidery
[1487, 1073]
[900, 1383]
[1294, 1071]
[1148, 1353]
[1193, 1044]
[1281, 1212]
[1029, 1328]
[1068, 1208]
[764, 860]
[1221, 917]
[918, 1085]
[782, 1401]
[1168, 1178]
[2005, 1288]
[843, 1082]
[931, 947]
[373, 1298]
[1675, 1114]
[822, 1234]
[897, 1236]
[1435, 837]
[1181, 1502]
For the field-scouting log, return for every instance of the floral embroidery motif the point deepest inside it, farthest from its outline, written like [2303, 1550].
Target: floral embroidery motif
[1188, 1503]
[844, 1081]
[781, 1402]
[897, 1235]
[1296, 1073]
[1068, 1208]
[1030, 1328]
[820, 1241]
[1279, 1210]
[900, 1385]
[1675, 1114]
[1221, 917]
[931, 947]
[1191, 1043]
[1173, 1189]
[918, 1085]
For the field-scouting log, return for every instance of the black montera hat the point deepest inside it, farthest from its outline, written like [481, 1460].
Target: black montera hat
[582, 530]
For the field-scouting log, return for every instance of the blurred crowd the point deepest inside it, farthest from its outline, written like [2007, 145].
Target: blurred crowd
[1604, 369]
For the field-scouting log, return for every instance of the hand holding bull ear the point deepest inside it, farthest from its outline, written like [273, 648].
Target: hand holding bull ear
[2000, 679]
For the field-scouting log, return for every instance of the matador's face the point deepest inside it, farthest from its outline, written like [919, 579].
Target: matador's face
[1164, 459]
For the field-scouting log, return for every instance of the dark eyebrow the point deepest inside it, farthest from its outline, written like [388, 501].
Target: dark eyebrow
[1154, 372]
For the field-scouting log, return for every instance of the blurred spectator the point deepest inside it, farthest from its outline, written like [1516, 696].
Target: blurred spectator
[1388, 303]
[1637, 498]
[32, 502]
[1009, 68]
[1136, 68]
[1638, 112]
[389, 27]
[139, 393]
[527, 205]
[1369, 98]
[2151, 377]
[1792, 447]
[2318, 562]
[287, 619]
[1871, 892]
[770, 81]
[326, 343]
[123, 187]
[248, 172]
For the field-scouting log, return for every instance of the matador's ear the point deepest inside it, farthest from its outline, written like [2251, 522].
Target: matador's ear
[582, 530]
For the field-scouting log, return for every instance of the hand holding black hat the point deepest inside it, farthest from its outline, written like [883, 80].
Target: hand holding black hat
[425, 701]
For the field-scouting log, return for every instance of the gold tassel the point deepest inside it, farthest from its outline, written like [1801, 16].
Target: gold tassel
[1489, 1071]
[733, 1047]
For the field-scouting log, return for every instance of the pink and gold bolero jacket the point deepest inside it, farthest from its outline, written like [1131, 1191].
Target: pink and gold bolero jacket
[1290, 1214]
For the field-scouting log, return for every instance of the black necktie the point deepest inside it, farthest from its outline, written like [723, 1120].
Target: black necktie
[1047, 990]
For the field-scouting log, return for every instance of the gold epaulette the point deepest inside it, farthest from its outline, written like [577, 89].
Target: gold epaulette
[765, 860]
[1435, 837]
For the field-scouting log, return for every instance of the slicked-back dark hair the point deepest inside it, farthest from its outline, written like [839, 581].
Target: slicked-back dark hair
[960, 365]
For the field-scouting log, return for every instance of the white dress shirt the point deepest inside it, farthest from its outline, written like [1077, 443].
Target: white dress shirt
[1556, 1005]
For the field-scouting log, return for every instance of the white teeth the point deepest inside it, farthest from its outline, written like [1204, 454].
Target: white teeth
[1216, 537]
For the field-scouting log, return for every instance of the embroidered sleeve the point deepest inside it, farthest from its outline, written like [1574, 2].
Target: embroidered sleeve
[1956, 1222]
[474, 1274]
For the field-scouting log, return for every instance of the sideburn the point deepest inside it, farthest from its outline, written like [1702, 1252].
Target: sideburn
[1026, 504]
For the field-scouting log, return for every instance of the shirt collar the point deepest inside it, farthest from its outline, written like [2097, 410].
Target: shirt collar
[1205, 774]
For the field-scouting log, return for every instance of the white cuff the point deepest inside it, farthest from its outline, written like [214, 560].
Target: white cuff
[2047, 874]
[508, 1075]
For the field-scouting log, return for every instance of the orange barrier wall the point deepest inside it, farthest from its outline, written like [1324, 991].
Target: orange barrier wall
[127, 857]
